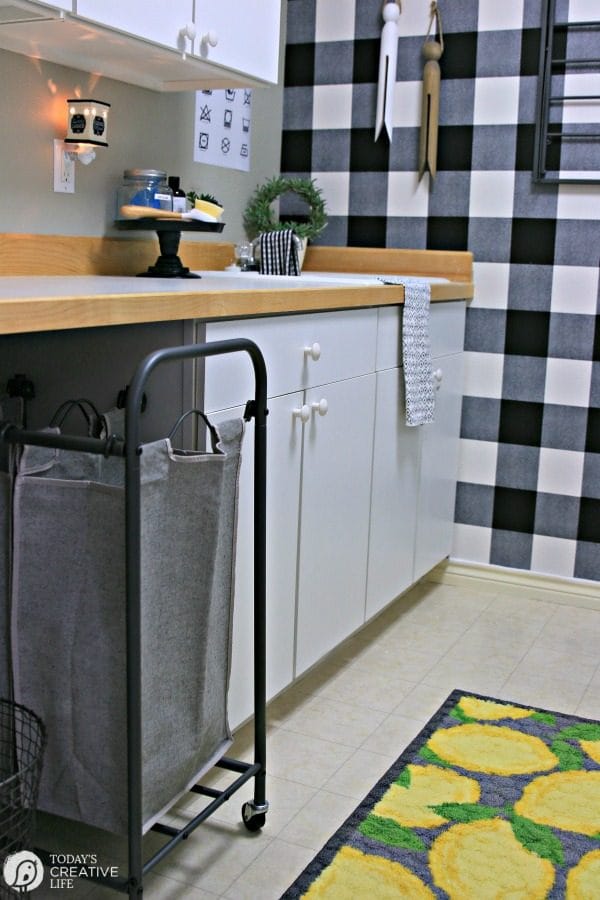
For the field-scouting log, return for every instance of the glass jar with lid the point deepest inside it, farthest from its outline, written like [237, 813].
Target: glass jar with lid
[144, 187]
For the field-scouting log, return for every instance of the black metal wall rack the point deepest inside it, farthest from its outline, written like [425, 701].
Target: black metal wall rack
[254, 811]
[566, 151]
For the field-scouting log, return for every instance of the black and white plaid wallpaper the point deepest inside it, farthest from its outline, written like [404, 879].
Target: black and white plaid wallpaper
[529, 480]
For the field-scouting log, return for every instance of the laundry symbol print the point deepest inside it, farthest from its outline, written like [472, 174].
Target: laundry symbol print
[247, 98]
[203, 140]
[244, 150]
[230, 95]
[205, 112]
[245, 124]
[227, 118]
[225, 145]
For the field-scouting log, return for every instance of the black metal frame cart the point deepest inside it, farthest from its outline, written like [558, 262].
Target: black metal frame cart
[254, 811]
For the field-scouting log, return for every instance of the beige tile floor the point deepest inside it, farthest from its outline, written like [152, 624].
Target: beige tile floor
[335, 732]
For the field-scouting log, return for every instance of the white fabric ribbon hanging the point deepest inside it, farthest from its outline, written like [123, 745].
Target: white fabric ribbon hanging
[388, 57]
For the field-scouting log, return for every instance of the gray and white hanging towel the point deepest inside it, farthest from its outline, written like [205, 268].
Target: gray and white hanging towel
[278, 253]
[416, 349]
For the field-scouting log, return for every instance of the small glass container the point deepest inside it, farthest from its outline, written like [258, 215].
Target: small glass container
[144, 187]
[244, 256]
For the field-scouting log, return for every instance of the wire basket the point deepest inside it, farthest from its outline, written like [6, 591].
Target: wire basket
[22, 742]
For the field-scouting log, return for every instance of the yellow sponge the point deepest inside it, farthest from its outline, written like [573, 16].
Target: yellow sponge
[211, 208]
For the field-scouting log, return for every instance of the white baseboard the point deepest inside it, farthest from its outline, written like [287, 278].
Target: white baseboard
[567, 591]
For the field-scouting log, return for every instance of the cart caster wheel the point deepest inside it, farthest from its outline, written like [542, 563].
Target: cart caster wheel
[252, 819]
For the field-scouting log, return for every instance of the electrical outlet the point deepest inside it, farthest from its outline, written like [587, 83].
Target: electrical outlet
[64, 169]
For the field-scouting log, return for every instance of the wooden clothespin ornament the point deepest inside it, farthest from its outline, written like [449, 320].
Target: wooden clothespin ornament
[388, 57]
[432, 51]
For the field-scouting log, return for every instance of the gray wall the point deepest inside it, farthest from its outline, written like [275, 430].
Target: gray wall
[147, 129]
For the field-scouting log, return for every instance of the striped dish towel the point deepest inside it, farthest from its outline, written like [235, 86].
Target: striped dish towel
[416, 350]
[278, 254]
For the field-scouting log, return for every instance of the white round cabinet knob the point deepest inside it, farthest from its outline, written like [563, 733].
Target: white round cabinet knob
[211, 38]
[314, 351]
[302, 413]
[321, 407]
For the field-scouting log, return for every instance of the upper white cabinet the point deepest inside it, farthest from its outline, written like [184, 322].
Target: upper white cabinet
[13, 12]
[153, 20]
[240, 36]
[60, 4]
[175, 46]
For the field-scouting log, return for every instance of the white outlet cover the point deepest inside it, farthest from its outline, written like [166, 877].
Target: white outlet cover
[64, 170]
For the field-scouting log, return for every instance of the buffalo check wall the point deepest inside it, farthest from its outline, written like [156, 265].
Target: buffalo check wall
[529, 480]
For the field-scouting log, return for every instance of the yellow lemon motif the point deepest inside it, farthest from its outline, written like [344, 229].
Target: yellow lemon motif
[484, 861]
[354, 874]
[429, 786]
[493, 749]
[583, 881]
[592, 748]
[488, 710]
[567, 800]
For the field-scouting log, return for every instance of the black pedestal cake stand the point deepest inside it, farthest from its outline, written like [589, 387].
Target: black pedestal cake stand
[168, 264]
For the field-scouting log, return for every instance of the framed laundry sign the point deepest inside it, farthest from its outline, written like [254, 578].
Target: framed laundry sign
[223, 125]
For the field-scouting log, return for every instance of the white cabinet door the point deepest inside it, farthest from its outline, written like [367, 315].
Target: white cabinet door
[334, 532]
[152, 20]
[394, 495]
[300, 352]
[284, 439]
[240, 36]
[439, 464]
[61, 4]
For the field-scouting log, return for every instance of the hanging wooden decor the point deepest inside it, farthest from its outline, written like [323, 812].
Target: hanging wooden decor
[432, 51]
[388, 57]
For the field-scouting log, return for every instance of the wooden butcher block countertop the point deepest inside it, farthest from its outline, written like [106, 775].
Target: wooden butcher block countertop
[50, 283]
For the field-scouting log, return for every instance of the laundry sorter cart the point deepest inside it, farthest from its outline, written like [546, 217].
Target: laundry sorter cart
[254, 811]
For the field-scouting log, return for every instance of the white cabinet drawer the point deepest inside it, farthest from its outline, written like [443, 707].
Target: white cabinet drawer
[300, 352]
[446, 329]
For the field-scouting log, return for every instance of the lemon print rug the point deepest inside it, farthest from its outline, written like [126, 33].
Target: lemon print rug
[492, 801]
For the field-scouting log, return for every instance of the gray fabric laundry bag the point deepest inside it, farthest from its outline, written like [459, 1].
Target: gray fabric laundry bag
[5, 493]
[68, 620]
[11, 410]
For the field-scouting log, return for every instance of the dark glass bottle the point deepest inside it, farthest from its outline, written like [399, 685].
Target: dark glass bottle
[179, 198]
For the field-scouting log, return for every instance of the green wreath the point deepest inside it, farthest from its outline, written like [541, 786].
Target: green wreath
[259, 215]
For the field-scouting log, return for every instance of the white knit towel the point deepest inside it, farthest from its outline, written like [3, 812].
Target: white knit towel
[416, 350]
[278, 254]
